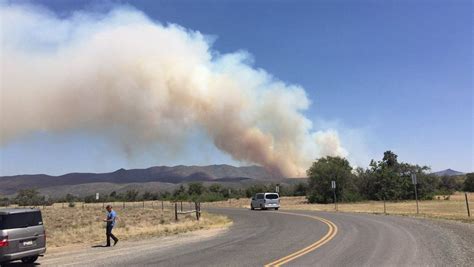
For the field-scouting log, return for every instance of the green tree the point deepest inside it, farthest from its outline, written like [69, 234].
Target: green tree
[300, 189]
[165, 195]
[447, 185]
[252, 190]
[391, 180]
[147, 196]
[196, 189]
[70, 198]
[215, 188]
[4, 201]
[180, 193]
[320, 175]
[469, 182]
[131, 195]
[29, 197]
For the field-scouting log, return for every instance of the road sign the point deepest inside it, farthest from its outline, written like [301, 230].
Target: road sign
[96, 196]
[333, 184]
[413, 180]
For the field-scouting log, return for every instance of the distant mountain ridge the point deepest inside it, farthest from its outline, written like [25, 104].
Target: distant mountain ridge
[448, 172]
[162, 174]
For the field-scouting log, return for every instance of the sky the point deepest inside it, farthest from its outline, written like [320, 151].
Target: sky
[387, 75]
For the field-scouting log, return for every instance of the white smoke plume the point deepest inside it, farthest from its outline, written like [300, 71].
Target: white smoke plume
[129, 78]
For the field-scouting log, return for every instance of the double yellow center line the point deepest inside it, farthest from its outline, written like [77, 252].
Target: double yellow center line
[326, 238]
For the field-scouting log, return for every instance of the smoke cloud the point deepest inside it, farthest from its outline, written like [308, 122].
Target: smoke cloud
[139, 82]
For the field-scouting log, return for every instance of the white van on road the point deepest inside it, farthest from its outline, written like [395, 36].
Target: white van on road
[265, 201]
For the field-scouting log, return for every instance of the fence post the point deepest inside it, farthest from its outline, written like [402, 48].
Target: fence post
[467, 205]
[181, 209]
[197, 210]
[176, 211]
[143, 203]
[162, 206]
[123, 205]
[384, 208]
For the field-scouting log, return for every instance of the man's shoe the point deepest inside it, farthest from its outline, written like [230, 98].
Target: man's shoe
[115, 242]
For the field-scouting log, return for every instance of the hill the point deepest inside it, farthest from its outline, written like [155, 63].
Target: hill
[153, 175]
[448, 172]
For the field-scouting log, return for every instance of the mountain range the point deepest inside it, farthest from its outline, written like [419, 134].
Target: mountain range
[159, 176]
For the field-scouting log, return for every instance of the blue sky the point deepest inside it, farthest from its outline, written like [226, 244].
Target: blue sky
[388, 76]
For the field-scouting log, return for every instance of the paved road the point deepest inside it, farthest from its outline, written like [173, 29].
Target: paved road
[258, 238]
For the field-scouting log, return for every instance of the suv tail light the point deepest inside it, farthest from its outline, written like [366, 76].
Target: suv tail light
[3, 241]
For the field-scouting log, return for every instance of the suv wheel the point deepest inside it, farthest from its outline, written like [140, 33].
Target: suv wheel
[31, 259]
[251, 207]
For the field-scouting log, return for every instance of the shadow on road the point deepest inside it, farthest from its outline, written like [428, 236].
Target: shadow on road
[100, 246]
[19, 264]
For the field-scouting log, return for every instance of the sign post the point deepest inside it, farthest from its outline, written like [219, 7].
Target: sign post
[333, 186]
[277, 188]
[467, 205]
[413, 180]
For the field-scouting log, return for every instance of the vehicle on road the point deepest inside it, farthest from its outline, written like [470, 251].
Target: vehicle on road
[265, 201]
[22, 235]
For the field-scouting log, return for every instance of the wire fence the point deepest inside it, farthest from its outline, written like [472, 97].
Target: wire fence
[165, 207]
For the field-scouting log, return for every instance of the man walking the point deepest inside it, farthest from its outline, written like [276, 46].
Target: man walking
[111, 216]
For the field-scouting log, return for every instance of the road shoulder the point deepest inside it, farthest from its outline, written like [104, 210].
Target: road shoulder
[95, 254]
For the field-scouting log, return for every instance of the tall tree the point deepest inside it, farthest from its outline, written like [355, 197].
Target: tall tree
[469, 182]
[196, 189]
[320, 175]
[390, 179]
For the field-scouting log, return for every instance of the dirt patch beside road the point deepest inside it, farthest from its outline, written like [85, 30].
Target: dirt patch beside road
[77, 226]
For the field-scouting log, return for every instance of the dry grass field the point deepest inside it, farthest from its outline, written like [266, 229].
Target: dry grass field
[444, 207]
[83, 225]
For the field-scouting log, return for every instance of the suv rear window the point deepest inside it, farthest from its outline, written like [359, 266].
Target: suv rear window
[271, 196]
[20, 220]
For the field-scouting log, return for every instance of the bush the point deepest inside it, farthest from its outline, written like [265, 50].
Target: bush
[469, 182]
[4, 202]
[29, 197]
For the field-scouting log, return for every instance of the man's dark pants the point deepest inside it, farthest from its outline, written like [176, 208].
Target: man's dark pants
[108, 233]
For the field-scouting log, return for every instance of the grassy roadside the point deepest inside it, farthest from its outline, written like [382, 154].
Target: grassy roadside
[451, 208]
[75, 226]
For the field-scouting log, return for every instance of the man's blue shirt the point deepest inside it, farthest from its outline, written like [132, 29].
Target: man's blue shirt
[111, 216]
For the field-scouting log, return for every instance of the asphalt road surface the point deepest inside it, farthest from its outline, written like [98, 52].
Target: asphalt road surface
[294, 238]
